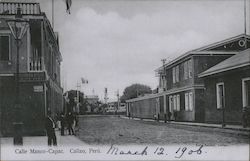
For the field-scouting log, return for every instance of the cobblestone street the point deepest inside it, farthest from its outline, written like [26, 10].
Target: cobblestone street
[115, 130]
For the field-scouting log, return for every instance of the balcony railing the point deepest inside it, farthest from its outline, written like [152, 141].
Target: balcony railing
[10, 8]
[36, 64]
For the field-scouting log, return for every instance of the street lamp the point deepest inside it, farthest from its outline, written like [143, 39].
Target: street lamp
[18, 27]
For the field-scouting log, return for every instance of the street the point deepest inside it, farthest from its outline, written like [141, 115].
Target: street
[102, 130]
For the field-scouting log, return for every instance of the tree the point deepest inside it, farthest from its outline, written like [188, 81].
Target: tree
[134, 91]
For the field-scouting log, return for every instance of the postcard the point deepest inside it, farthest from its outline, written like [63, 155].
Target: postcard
[124, 80]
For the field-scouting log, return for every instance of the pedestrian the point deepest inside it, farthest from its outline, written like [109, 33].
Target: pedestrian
[169, 116]
[50, 129]
[70, 121]
[76, 119]
[62, 122]
[175, 115]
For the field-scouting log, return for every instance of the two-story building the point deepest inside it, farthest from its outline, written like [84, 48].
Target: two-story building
[181, 91]
[39, 69]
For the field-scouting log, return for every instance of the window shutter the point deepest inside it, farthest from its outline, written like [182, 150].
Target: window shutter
[177, 73]
[174, 102]
[190, 68]
[178, 102]
[170, 103]
[185, 70]
[173, 73]
[186, 102]
[190, 101]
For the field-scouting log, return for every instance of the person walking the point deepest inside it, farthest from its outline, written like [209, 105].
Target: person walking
[169, 116]
[70, 121]
[62, 122]
[50, 129]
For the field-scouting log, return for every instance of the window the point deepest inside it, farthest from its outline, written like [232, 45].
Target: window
[4, 48]
[186, 101]
[170, 103]
[246, 92]
[185, 70]
[164, 85]
[189, 101]
[188, 69]
[220, 95]
[174, 102]
[175, 73]
[163, 82]
[178, 108]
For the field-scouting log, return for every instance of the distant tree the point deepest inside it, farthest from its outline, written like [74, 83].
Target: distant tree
[134, 91]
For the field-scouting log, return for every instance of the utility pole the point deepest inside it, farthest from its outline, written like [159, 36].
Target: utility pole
[118, 101]
[78, 88]
[105, 98]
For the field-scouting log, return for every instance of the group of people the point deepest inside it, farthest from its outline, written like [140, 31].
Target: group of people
[69, 121]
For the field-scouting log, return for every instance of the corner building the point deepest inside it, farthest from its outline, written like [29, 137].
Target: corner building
[39, 68]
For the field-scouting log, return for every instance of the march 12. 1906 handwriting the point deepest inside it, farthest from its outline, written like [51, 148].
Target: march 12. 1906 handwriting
[160, 151]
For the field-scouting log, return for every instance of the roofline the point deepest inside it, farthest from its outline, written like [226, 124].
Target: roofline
[168, 92]
[223, 70]
[221, 42]
[196, 53]
[198, 50]
[143, 98]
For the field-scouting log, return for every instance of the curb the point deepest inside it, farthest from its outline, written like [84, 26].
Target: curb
[243, 131]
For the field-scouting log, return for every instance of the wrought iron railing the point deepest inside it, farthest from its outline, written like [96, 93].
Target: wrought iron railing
[10, 8]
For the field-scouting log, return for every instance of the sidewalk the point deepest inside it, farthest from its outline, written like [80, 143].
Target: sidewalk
[65, 140]
[227, 128]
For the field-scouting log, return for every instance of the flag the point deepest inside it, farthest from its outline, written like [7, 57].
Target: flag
[68, 5]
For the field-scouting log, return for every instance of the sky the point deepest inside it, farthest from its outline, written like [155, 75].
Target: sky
[115, 43]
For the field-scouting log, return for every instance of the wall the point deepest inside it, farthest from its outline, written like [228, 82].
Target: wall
[202, 63]
[233, 96]
[10, 66]
[32, 107]
[143, 109]
[7, 95]
[199, 105]
[182, 82]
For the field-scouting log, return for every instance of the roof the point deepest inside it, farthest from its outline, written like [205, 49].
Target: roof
[239, 60]
[149, 96]
[92, 96]
[206, 50]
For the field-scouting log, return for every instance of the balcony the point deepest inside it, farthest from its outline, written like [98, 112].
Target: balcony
[10, 8]
[35, 64]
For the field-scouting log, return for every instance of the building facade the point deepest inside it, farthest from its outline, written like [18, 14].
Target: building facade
[181, 92]
[114, 107]
[227, 90]
[92, 104]
[39, 69]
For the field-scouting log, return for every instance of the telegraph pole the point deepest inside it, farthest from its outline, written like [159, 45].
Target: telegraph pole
[118, 101]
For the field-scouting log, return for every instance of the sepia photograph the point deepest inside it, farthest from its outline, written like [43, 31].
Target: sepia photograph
[125, 80]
